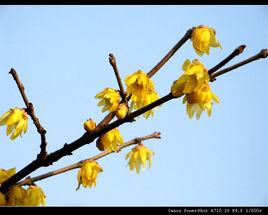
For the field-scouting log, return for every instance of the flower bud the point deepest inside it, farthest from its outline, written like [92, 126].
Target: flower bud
[89, 125]
[121, 111]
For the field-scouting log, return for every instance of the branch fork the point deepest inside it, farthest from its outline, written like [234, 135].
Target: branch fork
[44, 160]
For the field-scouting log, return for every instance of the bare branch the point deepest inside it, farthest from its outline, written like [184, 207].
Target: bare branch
[30, 111]
[106, 120]
[236, 52]
[112, 61]
[29, 181]
[262, 54]
[171, 52]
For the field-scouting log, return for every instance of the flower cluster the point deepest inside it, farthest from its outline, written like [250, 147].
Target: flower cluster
[194, 85]
[18, 196]
[33, 196]
[195, 75]
[194, 82]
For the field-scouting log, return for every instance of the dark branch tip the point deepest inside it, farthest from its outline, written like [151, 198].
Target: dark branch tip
[112, 59]
[212, 78]
[264, 53]
[190, 31]
[12, 71]
[241, 48]
[157, 135]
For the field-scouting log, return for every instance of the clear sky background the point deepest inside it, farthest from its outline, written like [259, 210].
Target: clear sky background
[61, 55]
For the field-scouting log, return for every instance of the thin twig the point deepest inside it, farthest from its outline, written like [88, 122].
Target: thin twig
[30, 111]
[112, 61]
[262, 54]
[171, 52]
[106, 120]
[236, 52]
[29, 180]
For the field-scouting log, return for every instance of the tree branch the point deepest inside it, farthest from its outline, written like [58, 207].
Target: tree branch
[104, 127]
[86, 138]
[262, 54]
[106, 120]
[29, 180]
[112, 61]
[90, 137]
[152, 72]
[236, 52]
[171, 52]
[30, 111]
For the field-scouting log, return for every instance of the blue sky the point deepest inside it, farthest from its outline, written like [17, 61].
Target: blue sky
[61, 55]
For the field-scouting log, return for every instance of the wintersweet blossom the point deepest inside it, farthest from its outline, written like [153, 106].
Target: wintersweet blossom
[203, 38]
[88, 173]
[110, 140]
[142, 91]
[16, 120]
[5, 174]
[138, 157]
[195, 75]
[199, 101]
[35, 196]
[109, 99]
[16, 196]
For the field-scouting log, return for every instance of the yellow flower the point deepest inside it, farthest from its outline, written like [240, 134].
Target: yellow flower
[199, 101]
[121, 111]
[151, 97]
[203, 38]
[195, 75]
[16, 196]
[89, 125]
[138, 157]
[142, 91]
[5, 174]
[2, 199]
[35, 196]
[110, 99]
[16, 120]
[110, 140]
[88, 174]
